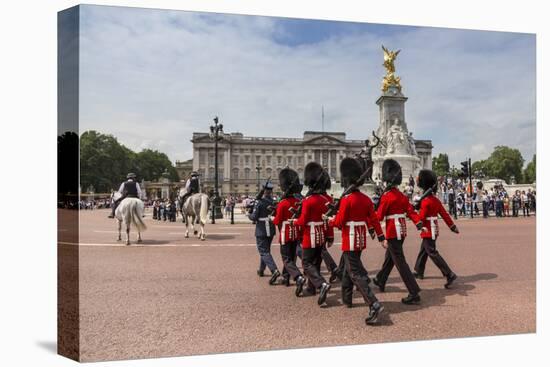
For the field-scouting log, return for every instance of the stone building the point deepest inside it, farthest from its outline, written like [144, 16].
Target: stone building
[245, 162]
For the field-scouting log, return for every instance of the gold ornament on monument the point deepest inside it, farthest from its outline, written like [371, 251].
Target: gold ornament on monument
[390, 79]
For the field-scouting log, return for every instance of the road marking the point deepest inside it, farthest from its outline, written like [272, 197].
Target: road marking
[134, 244]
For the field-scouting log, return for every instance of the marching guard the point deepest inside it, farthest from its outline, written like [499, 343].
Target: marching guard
[288, 235]
[394, 207]
[430, 208]
[314, 232]
[355, 215]
[265, 231]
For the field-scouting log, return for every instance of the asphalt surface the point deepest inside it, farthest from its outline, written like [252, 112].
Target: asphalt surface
[172, 296]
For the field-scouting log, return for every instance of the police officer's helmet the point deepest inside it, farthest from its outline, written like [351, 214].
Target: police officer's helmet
[131, 175]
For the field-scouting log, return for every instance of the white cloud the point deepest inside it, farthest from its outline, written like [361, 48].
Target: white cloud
[150, 76]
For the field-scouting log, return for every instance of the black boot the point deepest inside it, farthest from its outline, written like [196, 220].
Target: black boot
[374, 312]
[418, 275]
[260, 273]
[274, 277]
[411, 299]
[323, 293]
[450, 279]
[379, 284]
[300, 281]
[286, 281]
[334, 275]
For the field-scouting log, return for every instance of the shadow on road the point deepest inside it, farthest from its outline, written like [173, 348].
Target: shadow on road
[49, 345]
[219, 237]
[430, 297]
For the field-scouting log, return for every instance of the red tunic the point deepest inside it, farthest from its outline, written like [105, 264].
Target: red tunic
[287, 233]
[393, 208]
[355, 215]
[310, 222]
[429, 209]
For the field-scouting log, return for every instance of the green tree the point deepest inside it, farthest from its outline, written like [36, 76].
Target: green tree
[104, 162]
[151, 164]
[530, 172]
[504, 163]
[480, 167]
[441, 165]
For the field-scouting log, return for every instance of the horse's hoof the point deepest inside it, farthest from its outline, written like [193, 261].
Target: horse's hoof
[186, 235]
[120, 239]
[127, 243]
[202, 239]
[139, 241]
[195, 232]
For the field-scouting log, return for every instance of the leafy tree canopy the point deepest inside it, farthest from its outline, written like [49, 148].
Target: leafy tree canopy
[104, 162]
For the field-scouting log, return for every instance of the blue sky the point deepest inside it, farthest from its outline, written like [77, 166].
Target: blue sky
[153, 77]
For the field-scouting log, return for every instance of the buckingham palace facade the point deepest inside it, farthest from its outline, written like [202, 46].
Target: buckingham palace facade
[246, 161]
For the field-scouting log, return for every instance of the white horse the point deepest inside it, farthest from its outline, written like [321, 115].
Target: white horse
[195, 207]
[130, 211]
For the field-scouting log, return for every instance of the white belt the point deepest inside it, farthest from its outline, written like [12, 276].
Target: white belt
[433, 225]
[267, 228]
[312, 226]
[352, 225]
[396, 218]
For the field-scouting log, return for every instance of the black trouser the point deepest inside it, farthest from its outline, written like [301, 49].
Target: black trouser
[354, 273]
[526, 209]
[427, 249]
[395, 256]
[328, 259]
[312, 266]
[288, 254]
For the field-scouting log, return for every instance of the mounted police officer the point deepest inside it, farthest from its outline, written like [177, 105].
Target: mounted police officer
[265, 231]
[192, 186]
[128, 189]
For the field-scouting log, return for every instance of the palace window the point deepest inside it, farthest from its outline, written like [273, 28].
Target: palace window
[247, 173]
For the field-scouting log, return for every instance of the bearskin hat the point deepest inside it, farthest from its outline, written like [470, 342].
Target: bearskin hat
[325, 183]
[312, 173]
[350, 171]
[391, 172]
[289, 180]
[427, 179]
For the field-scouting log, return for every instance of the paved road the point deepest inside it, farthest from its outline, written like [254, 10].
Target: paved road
[174, 296]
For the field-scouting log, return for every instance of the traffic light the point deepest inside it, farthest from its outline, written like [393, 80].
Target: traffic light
[464, 169]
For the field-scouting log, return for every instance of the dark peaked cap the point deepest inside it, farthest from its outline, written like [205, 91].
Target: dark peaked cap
[391, 172]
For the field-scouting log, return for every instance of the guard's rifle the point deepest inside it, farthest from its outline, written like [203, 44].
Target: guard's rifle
[262, 191]
[258, 197]
[425, 195]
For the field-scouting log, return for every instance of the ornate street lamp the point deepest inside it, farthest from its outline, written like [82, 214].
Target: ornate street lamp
[215, 131]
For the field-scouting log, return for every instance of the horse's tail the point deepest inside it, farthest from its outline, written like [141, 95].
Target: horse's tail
[135, 215]
[204, 208]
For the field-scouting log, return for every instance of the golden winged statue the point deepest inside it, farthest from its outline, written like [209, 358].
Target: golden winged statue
[390, 79]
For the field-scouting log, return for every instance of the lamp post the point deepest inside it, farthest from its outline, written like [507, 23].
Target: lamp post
[258, 169]
[215, 130]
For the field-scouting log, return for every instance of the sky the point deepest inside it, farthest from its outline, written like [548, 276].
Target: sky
[153, 77]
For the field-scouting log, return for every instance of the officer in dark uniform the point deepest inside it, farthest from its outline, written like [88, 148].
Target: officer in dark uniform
[128, 189]
[265, 230]
[192, 186]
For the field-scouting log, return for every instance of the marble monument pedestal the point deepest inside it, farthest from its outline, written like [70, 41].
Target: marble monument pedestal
[410, 165]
